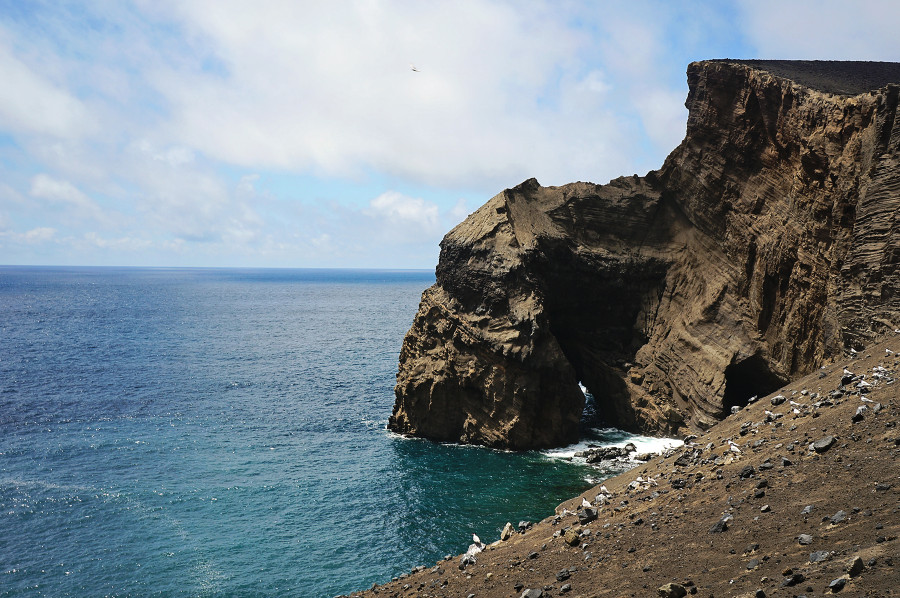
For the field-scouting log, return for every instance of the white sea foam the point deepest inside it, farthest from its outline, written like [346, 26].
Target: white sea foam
[614, 437]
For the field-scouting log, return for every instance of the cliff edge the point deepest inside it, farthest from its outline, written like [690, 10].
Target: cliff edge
[765, 246]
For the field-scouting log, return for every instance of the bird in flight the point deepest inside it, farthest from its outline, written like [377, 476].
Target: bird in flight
[413, 68]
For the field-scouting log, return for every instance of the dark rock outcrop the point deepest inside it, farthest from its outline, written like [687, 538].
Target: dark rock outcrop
[766, 245]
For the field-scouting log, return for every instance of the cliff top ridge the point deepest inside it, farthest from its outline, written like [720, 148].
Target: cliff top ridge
[840, 77]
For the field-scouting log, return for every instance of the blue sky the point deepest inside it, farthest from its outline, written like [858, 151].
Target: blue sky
[295, 134]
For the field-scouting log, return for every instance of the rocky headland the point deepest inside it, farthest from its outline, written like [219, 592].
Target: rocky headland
[765, 246]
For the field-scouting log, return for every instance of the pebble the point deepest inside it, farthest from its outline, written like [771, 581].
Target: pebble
[856, 567]
[837, 585]
[822, 445]
[721, 525]
[793, 579]
[532, 593]
[586, 515]
[838, 517]
[804, 539]
[819, 556]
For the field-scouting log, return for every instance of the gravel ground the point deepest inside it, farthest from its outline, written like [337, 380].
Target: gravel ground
[830, 76]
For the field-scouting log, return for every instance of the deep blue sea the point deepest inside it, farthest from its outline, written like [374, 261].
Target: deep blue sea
[221, 432]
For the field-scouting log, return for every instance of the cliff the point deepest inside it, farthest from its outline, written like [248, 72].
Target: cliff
[765, 246]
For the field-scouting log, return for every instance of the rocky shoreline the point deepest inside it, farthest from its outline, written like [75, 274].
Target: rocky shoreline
[796, 494]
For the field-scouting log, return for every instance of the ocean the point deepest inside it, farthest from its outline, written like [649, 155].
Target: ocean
[221, 432]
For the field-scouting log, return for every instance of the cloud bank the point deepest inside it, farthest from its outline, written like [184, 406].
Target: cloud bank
[284, 133]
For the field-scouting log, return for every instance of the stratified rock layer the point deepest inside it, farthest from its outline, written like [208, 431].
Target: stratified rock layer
[766, 244]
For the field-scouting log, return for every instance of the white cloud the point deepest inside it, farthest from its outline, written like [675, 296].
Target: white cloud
[823, 29]
[663, 117]
[158, 127]
[35, 236]
[65, 193]
[119, 244]
[327, 88]
[398, 210]
[31, 103]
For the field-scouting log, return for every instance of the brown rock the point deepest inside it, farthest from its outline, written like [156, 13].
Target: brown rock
[763, 246]
[672, 590]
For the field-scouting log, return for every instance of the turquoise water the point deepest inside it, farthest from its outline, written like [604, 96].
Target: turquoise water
[196, 432]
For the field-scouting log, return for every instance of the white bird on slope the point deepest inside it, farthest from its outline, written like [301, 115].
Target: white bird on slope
[476, 539]
[585, 503]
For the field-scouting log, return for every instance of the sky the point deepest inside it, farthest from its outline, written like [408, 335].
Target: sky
[288, 133]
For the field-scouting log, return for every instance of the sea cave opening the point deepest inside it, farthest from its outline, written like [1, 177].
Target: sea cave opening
[746, 379]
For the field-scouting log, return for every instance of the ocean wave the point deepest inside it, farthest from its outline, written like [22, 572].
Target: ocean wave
[604, 437]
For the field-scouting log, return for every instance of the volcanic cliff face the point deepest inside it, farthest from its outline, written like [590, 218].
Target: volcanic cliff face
[766, 245]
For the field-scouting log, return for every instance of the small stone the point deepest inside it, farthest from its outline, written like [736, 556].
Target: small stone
[721, 525]
[532, 593]
[765, 508]
[672, 590]
[571, 537]
[565, 588]
[819, 556]
[804, 539]
[759, 594]
[856, 567]
[778, 400]
[822, 445]
[753, 564]
[838, 517]
[807, 510]
[563, 575]
[837, 585]
[785, 462]
[586, 515]
[793, 579]
[859, 415]
[747, 471]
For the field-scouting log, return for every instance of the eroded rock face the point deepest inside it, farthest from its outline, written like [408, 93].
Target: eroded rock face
[765, 245]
